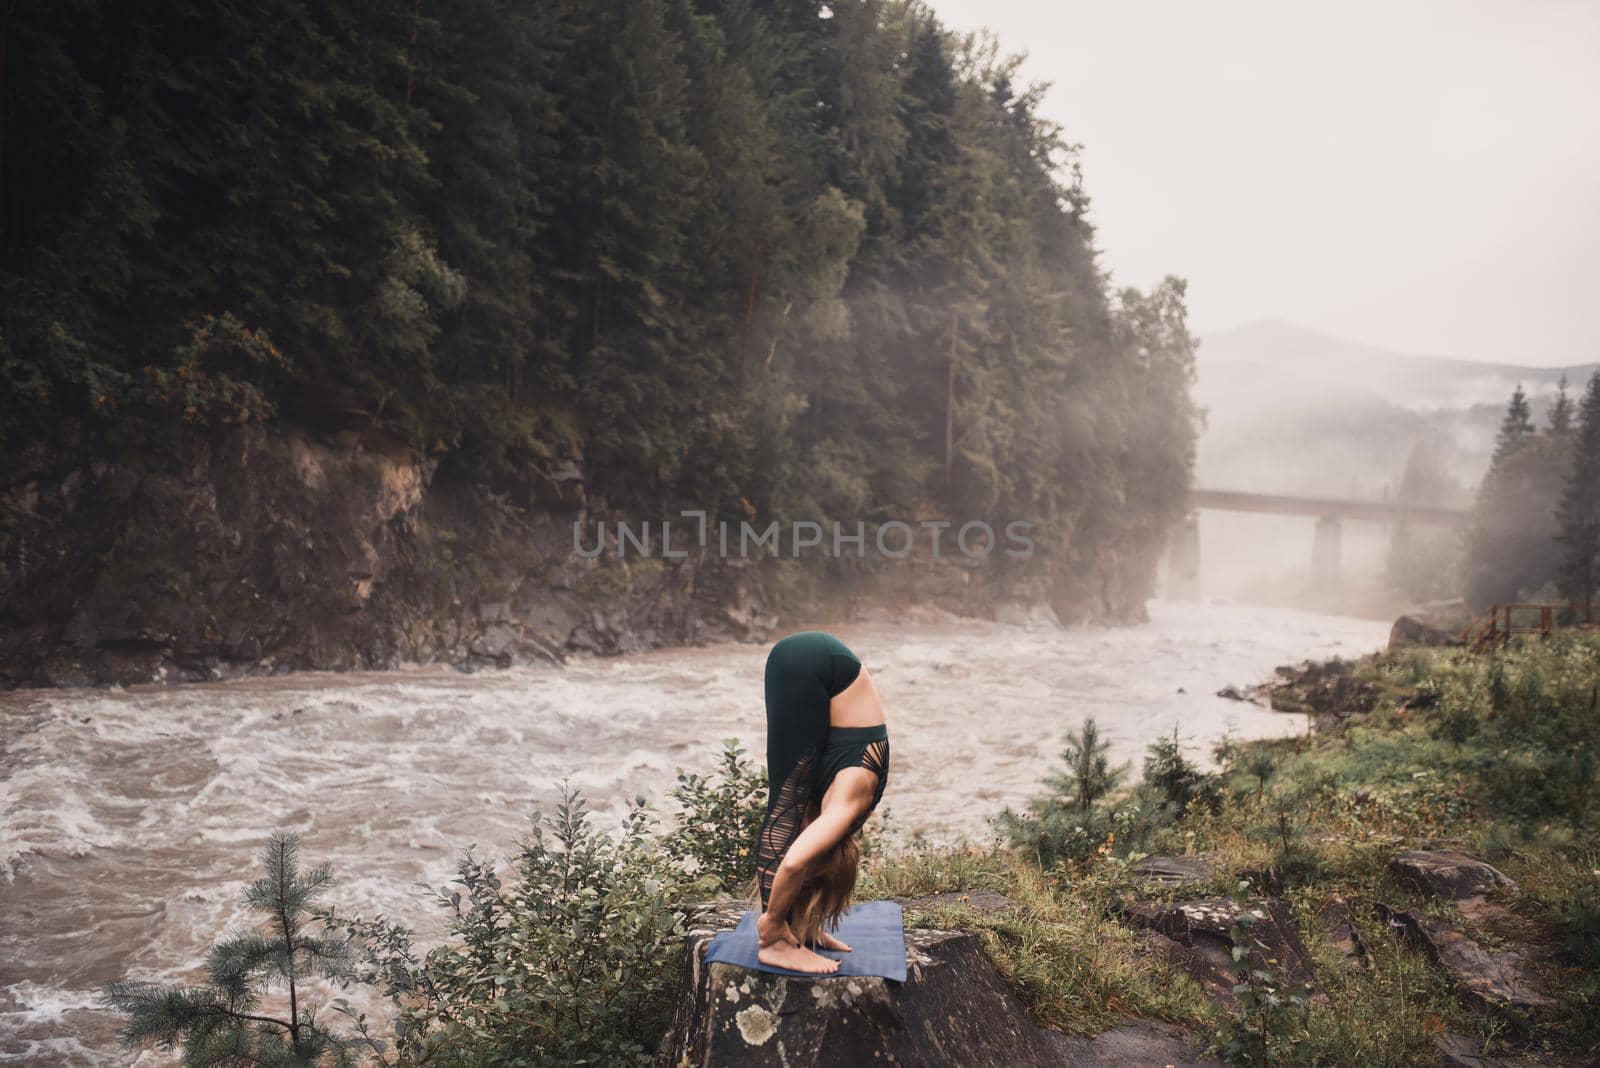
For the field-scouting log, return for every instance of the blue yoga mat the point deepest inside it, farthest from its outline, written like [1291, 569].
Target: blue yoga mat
[875, 931]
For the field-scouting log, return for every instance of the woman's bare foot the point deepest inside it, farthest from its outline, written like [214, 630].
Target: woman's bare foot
[827, 941]
[796, 959]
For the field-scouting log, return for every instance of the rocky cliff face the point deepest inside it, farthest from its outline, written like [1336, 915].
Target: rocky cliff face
[276, 550]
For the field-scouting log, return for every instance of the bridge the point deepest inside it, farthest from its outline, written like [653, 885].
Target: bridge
[1329, 512]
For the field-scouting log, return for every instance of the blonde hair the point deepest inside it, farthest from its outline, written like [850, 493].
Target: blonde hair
[825, 894]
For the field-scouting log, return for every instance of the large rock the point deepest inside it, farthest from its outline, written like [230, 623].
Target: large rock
[1195, 936]
[1413, 630]
[265, 549]
[954, 1009]
[1484, 979]
[1142, 1042]
[1176, 870]
[1448, 874]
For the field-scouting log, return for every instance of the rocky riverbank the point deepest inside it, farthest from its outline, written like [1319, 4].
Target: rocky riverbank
[281, 549]
[1415, 882]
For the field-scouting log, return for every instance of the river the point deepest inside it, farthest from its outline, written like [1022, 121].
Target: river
[132, 818]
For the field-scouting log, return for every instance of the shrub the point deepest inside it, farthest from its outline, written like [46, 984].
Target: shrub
[1176, 781]
[1578, 919]
[574, 964]
[1068, 822]
[1270, 1020]
[720, 819]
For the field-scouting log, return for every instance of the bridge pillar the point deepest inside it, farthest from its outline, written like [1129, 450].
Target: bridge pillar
[1325, 555]
[1183, 560]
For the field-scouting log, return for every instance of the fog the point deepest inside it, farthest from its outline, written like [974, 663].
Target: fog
[1422, 176]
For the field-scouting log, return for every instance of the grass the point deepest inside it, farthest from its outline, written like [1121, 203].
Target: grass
[1493, 753]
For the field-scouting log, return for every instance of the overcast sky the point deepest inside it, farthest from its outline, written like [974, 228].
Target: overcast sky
[1422, 175]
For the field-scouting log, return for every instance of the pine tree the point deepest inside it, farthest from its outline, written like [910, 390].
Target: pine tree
[1087, 774]
[223, 1022]
[1579, 510]
[1515, 429]
[1560, 416]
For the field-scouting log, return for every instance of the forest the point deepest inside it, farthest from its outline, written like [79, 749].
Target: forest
[772, 259]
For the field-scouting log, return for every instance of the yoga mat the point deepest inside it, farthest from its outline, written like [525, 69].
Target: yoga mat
[874, 929]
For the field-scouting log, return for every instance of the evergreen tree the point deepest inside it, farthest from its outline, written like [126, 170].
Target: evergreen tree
[1515, 429]
[223, 1022]
[1087, 775]
[1560, 416]
[1578, 512]
[1511, 552]
[1068, 820]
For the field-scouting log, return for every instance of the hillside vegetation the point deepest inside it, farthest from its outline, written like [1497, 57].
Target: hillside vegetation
[772, 260]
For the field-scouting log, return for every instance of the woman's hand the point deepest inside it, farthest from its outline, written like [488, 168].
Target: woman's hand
[772, 929]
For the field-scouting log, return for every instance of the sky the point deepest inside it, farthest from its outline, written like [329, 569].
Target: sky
[1420, 175]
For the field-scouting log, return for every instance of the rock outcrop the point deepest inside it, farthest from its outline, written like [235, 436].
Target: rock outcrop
[1438, 623]
[1324, 691]
[1485, 980]
[1448, 874]
[263, 550]
[1463, 1051]
[1339, 930]
[1176, 870]
[1195, 936]
[1142, 1042]
[324, 544]
[955, 1010]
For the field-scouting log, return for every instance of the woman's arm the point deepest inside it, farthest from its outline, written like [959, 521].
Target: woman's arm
[819, 836]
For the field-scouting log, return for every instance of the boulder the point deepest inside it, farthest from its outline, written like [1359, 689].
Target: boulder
[1176, 870]
[1484, 979]
[1140, 1042]
[1195, 936]
[954, 1009]
[1340, 932]
[1447, 874]
[1413, 630]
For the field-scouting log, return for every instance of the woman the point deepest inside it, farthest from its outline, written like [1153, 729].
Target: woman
[827, 765]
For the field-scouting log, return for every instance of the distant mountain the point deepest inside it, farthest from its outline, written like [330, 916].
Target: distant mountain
[1292, 410]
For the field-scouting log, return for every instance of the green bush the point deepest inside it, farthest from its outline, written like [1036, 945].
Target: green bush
[1270, 1020]
[1578, 919]
[720, 819]
[1069, 821]
[1175, 782]
[572, 964]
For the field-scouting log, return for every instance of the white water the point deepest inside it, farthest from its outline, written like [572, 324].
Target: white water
[132, 819]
